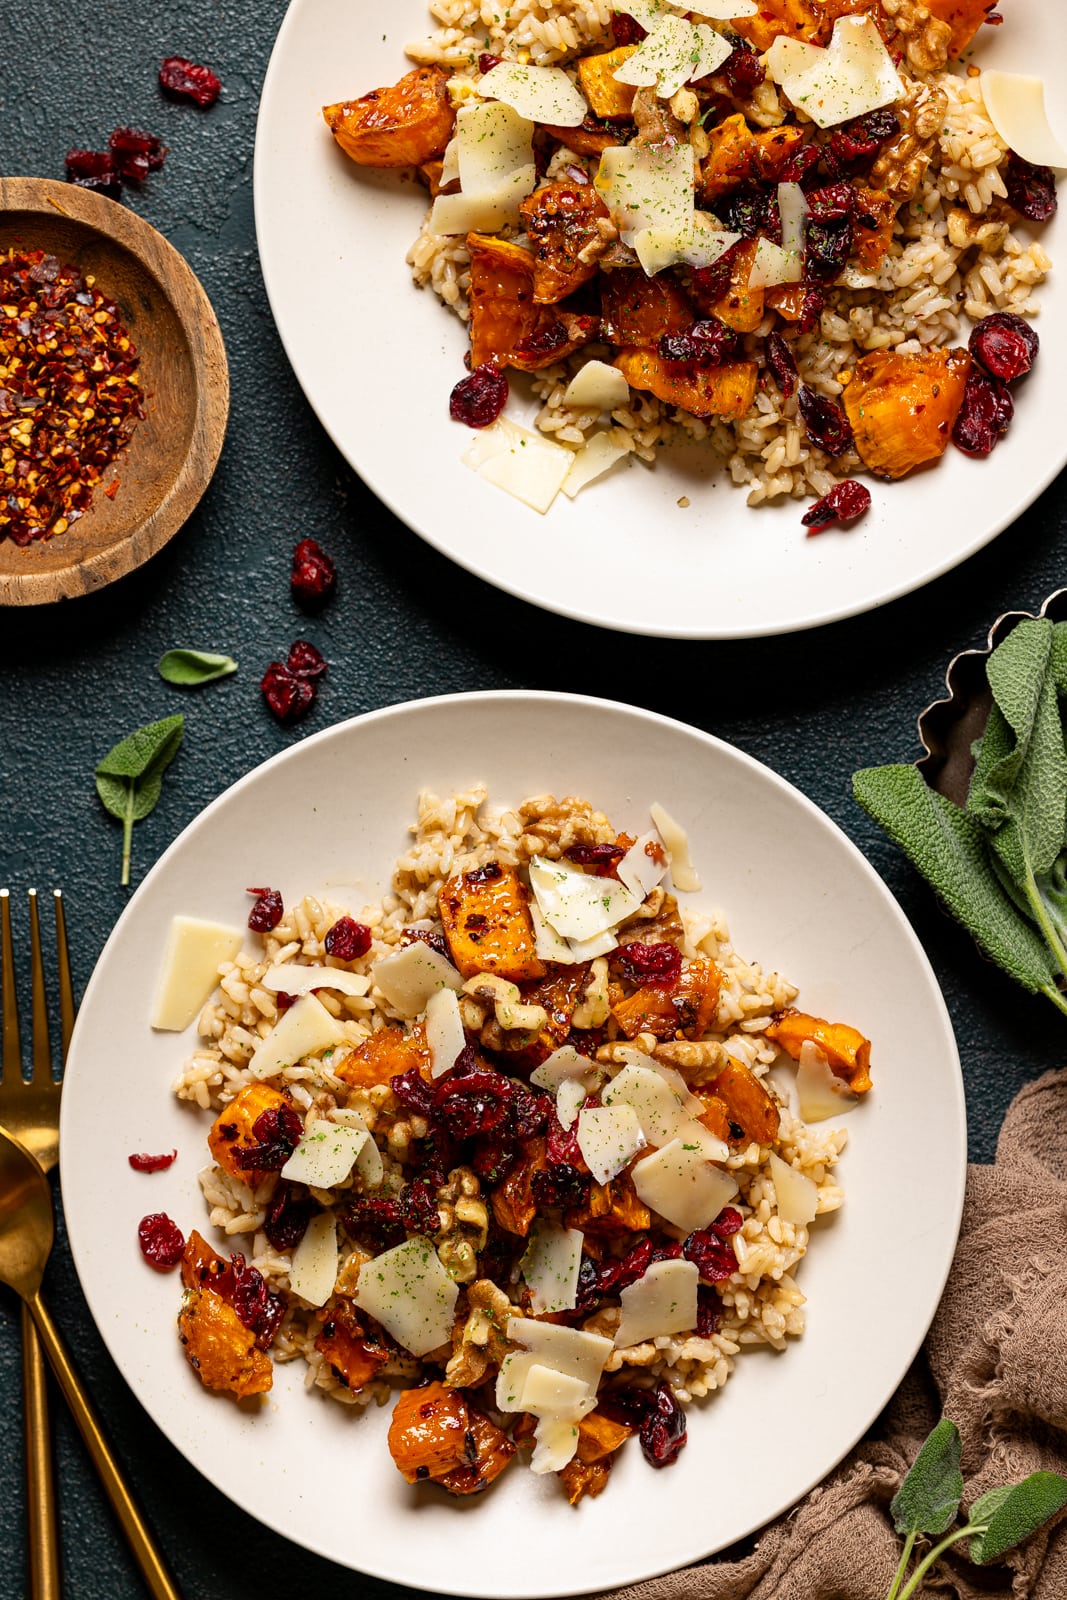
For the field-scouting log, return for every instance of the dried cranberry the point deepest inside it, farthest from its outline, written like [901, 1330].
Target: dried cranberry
[283, 1001]
[713, 1258]
[709, 1311]
[799, 163]
[530, 1111]
[94, 169]
[832, 203]
[287, 696]
[143, 1163]
[474, 1104]
[486, 61]
[588, 1292]
[615, 1276]
[711, 283]
[162, 1241]
[827, 247]
[417, 1207]
[1005, 345]
[743, 71]
[136, 154]
[314, 576]
[843, 503]
[288, 1215]
[184, 78]
[825, 423]
[376, 1221]
[626, 30]
[494, 1157]
[412, 1090]
[663, 1432]
[278, 1130]
[811, 309]
[707, 344]
[267, 911]
[658, 964]
[490, 873]
[428, 936]
[563, 1186]
[781, 363]
[542, 342]
[478, 399]
[561, 1144]
[595, 855]
[1031, 190]
[749, 212]
[348, 939]
[305, 661]
[984, 416]
[259, 1310]
[861, 139]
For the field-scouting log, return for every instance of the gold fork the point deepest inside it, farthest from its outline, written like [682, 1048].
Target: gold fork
[30, 1111]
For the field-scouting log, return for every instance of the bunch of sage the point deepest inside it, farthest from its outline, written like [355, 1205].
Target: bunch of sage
[1000, 862]
[129, 780]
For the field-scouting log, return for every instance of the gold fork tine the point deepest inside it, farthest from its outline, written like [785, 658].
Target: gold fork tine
[66, 987]
[42, 1045]
[11, 1058]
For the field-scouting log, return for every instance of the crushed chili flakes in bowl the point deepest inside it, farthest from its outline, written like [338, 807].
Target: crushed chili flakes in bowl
[70, 394]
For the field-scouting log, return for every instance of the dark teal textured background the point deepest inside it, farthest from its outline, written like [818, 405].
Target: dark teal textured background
[74, 679]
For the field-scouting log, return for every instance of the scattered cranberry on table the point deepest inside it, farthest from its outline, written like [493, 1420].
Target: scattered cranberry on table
[188, 81]
[290, 688]
[314, 576]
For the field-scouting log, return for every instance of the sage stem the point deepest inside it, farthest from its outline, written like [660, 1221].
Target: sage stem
[127, 834]
[909, 1546]
[1045, 923]
[937, 1552]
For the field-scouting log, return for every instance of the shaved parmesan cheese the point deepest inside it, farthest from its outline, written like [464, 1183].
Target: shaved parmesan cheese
[644, 865]
[597, 384]
[772, 265]
[556, 1443]
[543, 94]
[548, 1393]
[1016, 107]
[293, 979]
[662, 1301]
[369, 1163]
[597, 456]
[409, 978]
[609, 1137]
[409, 1292]
[450, 163]
[578, 904]
[525, 464]
[493, 142]
[547, 942]
[190, 970]
[724, 10]
[325, 1156]
[564, 1063]
[673, 53]
[649, 13]
[674, 1080]
[303, 1030]
[314, 1267]
[682, 1186]
[483, 213]
[567, 1350]
[658, 1108]
[550, 1267]
[820, 1093]
[570, 1097]
[683, 874]
[795, 1195]
[852, 76]
[698, 243]
[647, 186]
[588, 949]
[444, 1031]
[792, 208]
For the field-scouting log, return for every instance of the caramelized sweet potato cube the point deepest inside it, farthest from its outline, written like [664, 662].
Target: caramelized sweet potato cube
[876, 212]
[647, 1010]
[428, 1434]
[219, 1348]
[636, 310]
[561, 221]
[200, 1264]
[354, 1358]
[611, 1211]
[401, 126]
[730, 158]
[902, 407]
[487, 1452]
[791, 300]
[797, 19]
[514, 1206]
[726, 391]
[232, 1128]
[696, 996]
[741, 307]
[486, 915]
[607, 96]
[715, 1116]
[846, 1049]
[747, 1103]
[507, 326]
[598, 1437]
[581, 1478]
[964, 17]
[386, 1054]
[589, 138]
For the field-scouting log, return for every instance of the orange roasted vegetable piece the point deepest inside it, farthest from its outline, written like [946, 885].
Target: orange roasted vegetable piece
[740, 306]
[601, 88]
[747, 1103]
[590, 138]
[726, 391]
[514, 1206]
[797, 19]
[386, 1054]
[637, 310]
[598, 1440]
[845, 1048]
[696, 996]
[561, 221]
[219, 1348]
[353, 1357]
[486, 915]
[232, 1128]
[792, 300]
[715, 1116]
[581, 1478]
[964, 17]
[647, 1010]
[902, 407]
[488, 1451]
[507, 326]
[876, 213]
[739, 155]
[612, 1210]
[397, 127]
[435, 1434]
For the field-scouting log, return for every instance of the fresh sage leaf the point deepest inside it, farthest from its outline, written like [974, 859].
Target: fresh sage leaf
[189, 668]
[929, 1498]
[948, 846]
[129, 780]
[1009, 1515]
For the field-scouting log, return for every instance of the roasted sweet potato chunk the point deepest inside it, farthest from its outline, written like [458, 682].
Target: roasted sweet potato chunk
[232, 1128]
[435, 1434]
[611, 1211]
[739, 154]
[580, 1478]
[486, 914]
[607, 96]
[507, 326]
[726, 391]
[637, 310]
[797, 19]
[590, 138]
[598, 1437]
[219, 1348]
[514, 1206]
[561, 221]
[964, 17]
[902, 407]
[747, 1103]
[401, 126]
[715, 1116]
[354, 1357]
[487, 1452]
[876, 212]
[740, 306]
[386, 1054]
[846, 1049]
[696, 996]
[647, 1010]
[793, 301]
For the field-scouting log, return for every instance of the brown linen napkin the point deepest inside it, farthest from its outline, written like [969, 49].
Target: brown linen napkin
[995, 1361]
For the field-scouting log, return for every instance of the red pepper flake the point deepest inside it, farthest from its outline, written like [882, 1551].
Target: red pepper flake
[69, 393]
[143, 1163]
[184, 78]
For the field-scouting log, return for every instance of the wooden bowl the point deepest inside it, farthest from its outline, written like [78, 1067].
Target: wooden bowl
[172, 453]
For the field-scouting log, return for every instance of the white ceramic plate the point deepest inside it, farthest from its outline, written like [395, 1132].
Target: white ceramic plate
[377, 360]
[331, 815]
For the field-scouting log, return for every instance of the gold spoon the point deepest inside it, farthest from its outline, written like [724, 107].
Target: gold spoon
[27, 1228]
